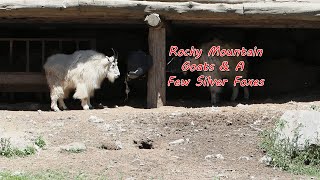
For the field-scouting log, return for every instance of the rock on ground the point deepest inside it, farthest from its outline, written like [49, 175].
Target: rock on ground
[304, 123]
[74, 147]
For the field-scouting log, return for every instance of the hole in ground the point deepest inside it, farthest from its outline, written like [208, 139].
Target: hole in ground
[144, 144]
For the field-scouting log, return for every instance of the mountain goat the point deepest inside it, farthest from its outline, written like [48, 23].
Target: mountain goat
[216, 73]
[82, 71]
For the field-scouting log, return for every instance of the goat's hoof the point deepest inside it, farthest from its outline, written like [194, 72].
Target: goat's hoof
[86, 107]
[233, 99]
[56, 109]
[63, 108]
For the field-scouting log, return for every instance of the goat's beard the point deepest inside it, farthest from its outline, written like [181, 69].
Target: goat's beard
[111, 77]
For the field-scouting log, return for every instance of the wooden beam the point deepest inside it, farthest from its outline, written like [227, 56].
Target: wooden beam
[43, 52]
[89, 10]
[28, 56]
[22, 78]
[156, 91]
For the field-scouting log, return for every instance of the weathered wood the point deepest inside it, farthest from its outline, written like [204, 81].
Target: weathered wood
[89, 10]
[156, 93]
[43, 48]
[251, 23]
[23, 82]
[22, 78]
[235, 1]
[153, 20]
[47, 39]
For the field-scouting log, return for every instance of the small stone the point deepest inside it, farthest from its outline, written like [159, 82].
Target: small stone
[219, 156]
[215, 109]
[95, 119]
[211, 156]
[244, 158]
[192, 123]
[229, 123]
[130, 178]
[242, 105]
[39, 111]
[179, 141]
[74, 147]
[208, 157]
[266, 160]
[17, 173]
[9, 117]
[222, 176]
[257, 122]
[111, 145]
[137, 161]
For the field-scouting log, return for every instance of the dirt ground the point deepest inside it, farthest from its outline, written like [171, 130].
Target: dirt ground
[170, 142]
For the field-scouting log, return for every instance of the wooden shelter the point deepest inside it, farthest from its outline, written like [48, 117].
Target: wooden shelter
[155, 14]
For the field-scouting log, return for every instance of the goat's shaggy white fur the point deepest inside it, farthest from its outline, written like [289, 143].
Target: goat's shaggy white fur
[230, 75]
[84, 71]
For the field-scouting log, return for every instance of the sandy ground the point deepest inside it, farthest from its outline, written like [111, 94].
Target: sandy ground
[166, 143]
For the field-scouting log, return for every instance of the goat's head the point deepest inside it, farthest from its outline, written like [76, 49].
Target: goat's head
[112, 68]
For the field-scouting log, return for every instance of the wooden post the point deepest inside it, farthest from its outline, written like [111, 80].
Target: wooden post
[43, 53]
[156, 95]
[28, 56]
[11, 57]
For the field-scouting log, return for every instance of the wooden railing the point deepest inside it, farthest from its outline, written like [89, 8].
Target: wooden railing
[32, 81]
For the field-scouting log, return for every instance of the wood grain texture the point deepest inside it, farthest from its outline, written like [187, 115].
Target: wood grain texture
[156, 90]
[131, 8]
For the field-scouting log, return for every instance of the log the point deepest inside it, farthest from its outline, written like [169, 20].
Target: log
[153, 20]
[135, 10]
[23, 82]
[22, 78]
[156, 90]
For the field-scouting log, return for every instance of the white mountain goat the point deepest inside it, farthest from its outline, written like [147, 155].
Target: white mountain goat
[82, 71]
[230, 75]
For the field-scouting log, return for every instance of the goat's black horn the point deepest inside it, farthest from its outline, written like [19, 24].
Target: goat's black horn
[114, 53]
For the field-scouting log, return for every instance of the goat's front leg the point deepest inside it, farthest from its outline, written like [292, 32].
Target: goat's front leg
[84, 103]
[235, 92]
[214, 91]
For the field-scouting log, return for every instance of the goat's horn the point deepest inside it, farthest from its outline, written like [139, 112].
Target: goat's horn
[114, 53]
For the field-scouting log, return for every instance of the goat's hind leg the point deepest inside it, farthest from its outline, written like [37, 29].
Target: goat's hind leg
[55, 95]
[246, 93]
[82, 93]
[214, 95]
[89, 102]
[62, 105]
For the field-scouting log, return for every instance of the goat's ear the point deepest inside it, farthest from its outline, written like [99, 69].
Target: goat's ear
[111, 59]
